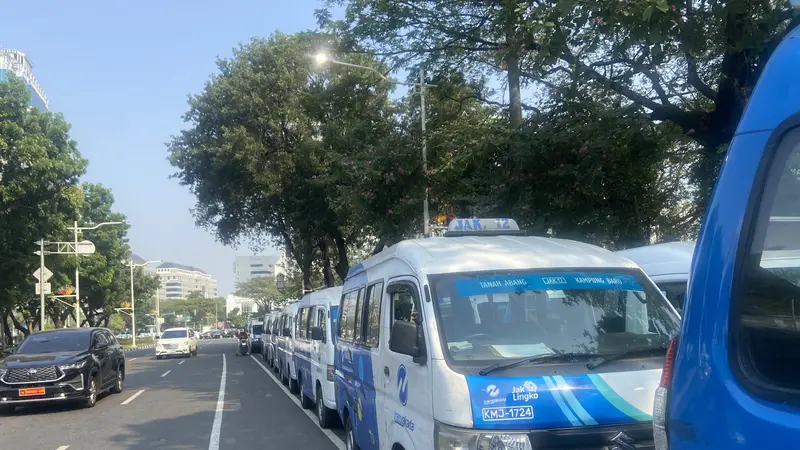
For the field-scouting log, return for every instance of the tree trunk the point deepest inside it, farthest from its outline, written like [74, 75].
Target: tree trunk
[512, 65]
[18, 326]
[342, 263]
[9, 338]
[327, 271]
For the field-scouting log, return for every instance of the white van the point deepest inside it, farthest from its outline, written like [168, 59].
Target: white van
[270, 337]
[667, 264]
[313, 351]
[487, 338]
[284, 360]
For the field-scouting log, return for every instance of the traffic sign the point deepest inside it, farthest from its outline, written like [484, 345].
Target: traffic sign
[47, 288]
[43, 271]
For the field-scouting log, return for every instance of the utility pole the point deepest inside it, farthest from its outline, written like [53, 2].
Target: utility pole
[77, 279]
[41, 281]
[425, 213]
[133, 308]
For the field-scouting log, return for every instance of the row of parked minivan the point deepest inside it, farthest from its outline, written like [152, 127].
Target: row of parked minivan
[483, 338]
[486, 339]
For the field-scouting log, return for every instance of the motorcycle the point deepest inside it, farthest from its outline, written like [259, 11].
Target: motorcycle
[243, 348]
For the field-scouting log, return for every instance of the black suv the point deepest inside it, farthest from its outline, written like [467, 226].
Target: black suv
[62, 365]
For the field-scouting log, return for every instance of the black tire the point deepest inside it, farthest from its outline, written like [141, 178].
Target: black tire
[349, 436]
[195, 351]
[294, 387]
[325, 415]
[284, 377]
[91, 398]
[305, 402]
[119, 384]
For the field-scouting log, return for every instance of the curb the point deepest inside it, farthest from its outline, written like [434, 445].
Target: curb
[140, 347]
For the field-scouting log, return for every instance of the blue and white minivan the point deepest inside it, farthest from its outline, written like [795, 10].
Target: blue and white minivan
[284, 356]
[490, 339]
[313, 351]
[732, 378]
[667, 264]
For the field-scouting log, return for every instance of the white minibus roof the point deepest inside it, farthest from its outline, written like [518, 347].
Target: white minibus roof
[660, 260]
[441, 255]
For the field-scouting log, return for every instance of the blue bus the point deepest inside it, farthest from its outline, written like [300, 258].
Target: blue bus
[731, 379]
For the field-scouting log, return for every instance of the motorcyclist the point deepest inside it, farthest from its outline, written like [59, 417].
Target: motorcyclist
[242, 334]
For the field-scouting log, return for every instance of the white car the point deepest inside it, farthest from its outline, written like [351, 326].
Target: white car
[177, 342]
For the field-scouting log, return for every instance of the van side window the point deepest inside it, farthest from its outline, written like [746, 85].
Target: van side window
[405, 305]
[765, 310]
[358, 335]
[347, 322]
[299, 332]
[373, 308]
[321, 320]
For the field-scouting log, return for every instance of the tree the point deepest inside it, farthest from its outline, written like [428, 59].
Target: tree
[263, 291]
[196, 310]
[272, 146]
[237, 319]
[39, 170]
[478, 37]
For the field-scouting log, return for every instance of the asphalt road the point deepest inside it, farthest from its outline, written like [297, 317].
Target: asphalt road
[214, 400]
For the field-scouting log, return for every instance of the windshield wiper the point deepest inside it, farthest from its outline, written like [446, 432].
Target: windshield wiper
[626, 354]
[547, 357]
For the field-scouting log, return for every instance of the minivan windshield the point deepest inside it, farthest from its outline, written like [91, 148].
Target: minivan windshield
[513, 315]
[174, 334]
[54, 342]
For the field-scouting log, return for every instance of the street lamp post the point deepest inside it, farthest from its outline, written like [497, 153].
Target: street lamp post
[133, 300]
[77, 230]
[322, 58]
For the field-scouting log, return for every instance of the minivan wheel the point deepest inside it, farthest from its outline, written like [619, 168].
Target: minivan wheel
[305, 402]
[91, 399]
[120, 383]
[293, 386]
[350, 436]
[324, 414]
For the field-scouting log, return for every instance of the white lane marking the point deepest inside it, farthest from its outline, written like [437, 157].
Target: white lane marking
[132, 359]
[333, 438]
[130, 399]
[213, 443]
[63, 447]
[165, 373]
[181, 362]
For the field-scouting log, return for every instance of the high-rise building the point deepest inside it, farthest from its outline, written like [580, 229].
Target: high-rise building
[18, 63]
[179, 281]
[247, 267]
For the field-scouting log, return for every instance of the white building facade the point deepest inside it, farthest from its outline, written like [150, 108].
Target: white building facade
[179, 281]
[246, 268]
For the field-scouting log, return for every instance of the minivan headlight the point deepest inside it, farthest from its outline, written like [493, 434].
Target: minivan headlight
[452, 438]
[71, 366]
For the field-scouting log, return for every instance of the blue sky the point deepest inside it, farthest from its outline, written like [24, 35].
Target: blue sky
[120, 72]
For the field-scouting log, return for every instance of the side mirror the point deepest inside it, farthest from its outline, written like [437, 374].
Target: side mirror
[287, 332]
[8, 351]
[405, 340]
[317, 334]
[158, 336]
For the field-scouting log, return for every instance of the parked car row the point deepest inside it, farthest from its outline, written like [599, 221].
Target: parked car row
[484, 337]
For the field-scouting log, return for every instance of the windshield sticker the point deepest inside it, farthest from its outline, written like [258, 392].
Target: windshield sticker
[545, 282]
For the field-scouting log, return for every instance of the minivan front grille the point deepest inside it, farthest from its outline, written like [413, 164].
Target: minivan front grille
[32, 375]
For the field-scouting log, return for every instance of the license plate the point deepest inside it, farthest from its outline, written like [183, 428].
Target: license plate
[31, 392]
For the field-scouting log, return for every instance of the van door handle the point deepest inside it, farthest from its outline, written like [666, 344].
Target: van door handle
[386, 371]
